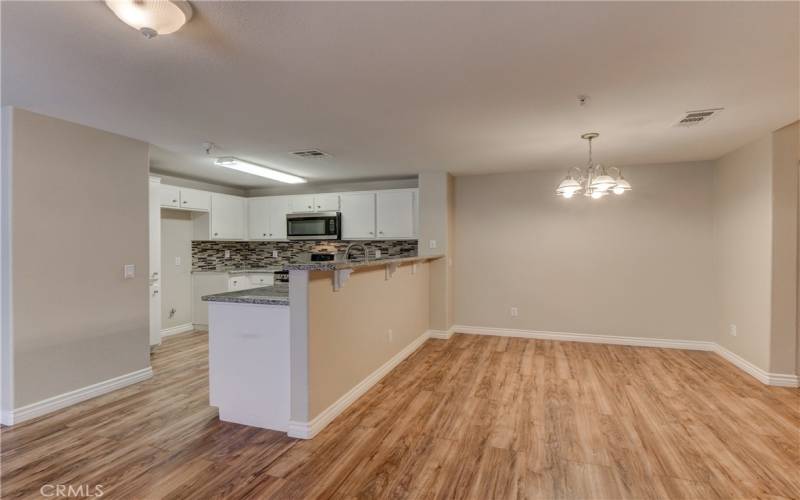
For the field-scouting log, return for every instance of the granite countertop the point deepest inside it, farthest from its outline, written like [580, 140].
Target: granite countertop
[336, 265]
[275, 295]
[240, 270]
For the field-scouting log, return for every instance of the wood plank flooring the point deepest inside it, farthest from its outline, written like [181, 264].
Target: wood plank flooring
[472, 417]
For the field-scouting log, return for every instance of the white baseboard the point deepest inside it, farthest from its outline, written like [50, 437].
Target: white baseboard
[307, 430]
[60, 401]
[696, 345]
[763, 376]
[774, 379]
[440, 334]
[174, 330]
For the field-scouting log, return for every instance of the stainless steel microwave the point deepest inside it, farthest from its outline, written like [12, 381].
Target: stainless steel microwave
[314, 226]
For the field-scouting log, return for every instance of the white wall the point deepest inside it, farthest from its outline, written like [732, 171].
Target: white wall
[638, 265]
[78, 214]
[176, 279]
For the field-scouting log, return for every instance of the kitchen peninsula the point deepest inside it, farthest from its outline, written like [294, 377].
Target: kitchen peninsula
[292, 358]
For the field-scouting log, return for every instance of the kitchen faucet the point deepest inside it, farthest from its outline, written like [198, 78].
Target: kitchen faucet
[351, 245]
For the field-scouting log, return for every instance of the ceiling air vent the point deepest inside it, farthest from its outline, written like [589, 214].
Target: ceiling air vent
[311, 153]
[698, 117]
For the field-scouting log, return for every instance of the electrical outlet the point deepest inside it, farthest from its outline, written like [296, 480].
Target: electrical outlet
[514, 312]
[227, 254]
[432, 244]
[274, 254]
[377, 254]
[732, 330]
[177, 261]
[128, 271]
[391, 335]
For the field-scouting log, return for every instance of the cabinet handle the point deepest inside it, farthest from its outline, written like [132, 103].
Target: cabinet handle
[270, 234]
[370, 232]
[174, 201]
[381, 232]
[263, 234]
[310, 206]
[216, 234]
[319, 206]
[185, 202]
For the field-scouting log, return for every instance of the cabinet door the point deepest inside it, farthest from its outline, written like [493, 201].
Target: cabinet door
[227, 217]
[358, 216]
[170, 196]
[194, 199]
[239, 282]
[258, 218]
[278, 208]
[326, 202]
[395, 214]
[259, 280]
[302, 203]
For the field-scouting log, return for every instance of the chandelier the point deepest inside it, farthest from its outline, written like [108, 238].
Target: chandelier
[593, 179]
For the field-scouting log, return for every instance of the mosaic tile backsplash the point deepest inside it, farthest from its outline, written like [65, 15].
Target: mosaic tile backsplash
[210, 255]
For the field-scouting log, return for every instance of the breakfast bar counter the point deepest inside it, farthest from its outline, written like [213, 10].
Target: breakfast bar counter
[291, 358]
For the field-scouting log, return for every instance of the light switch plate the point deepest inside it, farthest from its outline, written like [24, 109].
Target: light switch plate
[377, 253]
[432, 244]
[275, 254]
[177, 261]
[129, 271]
[227, 254]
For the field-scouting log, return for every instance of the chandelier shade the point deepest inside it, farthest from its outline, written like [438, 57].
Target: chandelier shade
[593, 180]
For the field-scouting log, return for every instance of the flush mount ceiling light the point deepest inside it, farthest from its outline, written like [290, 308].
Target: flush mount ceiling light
[152, 17]
[259, 170]
[593, 179]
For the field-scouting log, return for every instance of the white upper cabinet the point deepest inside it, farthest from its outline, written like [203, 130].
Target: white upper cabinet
[301, 203]
[258, 218]
[326, 202]
[358, 216]
[190, 199]
[194, 199]
[227, 217]
[266, 218]
[396, 214]
[278, 208]
[170, 196]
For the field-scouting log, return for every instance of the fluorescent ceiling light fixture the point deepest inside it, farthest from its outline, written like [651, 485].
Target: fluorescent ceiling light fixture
[152, 17]
[259, 170]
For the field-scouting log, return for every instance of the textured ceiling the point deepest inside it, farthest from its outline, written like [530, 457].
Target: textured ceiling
[395, 88]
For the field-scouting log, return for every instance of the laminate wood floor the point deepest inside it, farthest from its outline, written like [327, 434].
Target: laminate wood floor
[472, 417]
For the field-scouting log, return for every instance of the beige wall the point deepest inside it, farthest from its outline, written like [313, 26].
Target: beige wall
[785, 157]
[756, 211]
[78, 214]
[743, 235]
[177, 229]
[348, 329]
[437, 222]
[639, 265]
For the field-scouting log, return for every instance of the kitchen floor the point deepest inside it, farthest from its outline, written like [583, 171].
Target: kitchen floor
[472, 417]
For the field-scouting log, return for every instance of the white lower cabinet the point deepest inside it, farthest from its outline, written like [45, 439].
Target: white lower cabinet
[227, 217]
[358, 216]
